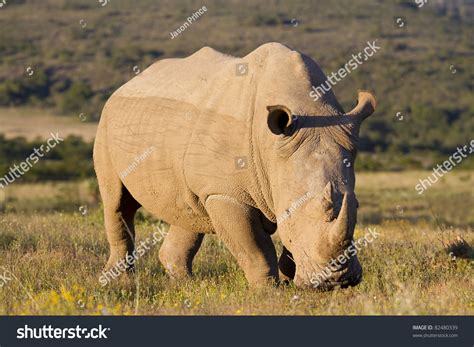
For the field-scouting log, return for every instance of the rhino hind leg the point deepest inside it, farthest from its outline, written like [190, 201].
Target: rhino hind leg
[286, 265]
[178, 250]
[119, 224]
[119, 209]
[240, 227]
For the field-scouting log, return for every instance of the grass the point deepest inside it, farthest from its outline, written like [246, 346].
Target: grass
[54, 259]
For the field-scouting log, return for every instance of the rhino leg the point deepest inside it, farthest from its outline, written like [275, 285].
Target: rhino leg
[178, 250]
[240, 228]
[119, 216]
[286, 265]
[119, 207]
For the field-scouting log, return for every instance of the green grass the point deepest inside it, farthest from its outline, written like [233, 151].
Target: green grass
[54, 260]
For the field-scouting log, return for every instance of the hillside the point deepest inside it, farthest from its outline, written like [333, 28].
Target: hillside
[69, 56]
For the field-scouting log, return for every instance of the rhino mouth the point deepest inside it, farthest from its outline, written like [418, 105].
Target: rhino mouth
[349, 276]
[328, 286]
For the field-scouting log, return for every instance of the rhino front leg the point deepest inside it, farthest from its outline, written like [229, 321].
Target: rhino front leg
[178, 250]
[240, 228]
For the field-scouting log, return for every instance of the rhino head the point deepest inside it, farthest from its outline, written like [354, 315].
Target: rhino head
[311, 174]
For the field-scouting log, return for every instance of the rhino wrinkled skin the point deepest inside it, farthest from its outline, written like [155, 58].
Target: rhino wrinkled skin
[231, 143]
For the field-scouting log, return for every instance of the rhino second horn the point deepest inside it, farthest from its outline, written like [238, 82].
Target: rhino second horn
[343, 227]
[327, 202]
[327, 193]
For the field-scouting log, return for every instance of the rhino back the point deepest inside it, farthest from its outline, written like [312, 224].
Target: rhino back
[197, 114]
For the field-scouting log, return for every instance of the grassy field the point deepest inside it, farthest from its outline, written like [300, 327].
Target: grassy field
[60, 61]
[51, 260]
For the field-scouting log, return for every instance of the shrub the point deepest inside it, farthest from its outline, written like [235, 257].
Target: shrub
[75, 99]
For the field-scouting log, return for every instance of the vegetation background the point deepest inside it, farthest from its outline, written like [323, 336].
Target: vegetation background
[61, 59]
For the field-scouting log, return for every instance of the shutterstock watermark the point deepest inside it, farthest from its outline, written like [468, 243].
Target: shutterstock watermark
[132, 167]
[16, 171]
[351, 65]
[449, 164]
[48, 332]
[336, 263]
[421, 3]
[124, 264]
[190, 20]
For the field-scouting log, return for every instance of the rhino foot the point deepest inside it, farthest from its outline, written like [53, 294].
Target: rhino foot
[178, 250]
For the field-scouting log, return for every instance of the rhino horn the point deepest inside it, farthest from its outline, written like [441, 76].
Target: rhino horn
[343, 227]
[327, 202]
[366, 104]
[327, 193]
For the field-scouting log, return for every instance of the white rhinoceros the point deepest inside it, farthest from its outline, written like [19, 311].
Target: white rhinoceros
[235, 147]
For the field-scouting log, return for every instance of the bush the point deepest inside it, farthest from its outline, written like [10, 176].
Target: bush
[69, 160]
[76, 98]
[23, 90]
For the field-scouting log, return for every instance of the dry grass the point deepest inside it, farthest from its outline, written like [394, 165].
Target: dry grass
[54, 260]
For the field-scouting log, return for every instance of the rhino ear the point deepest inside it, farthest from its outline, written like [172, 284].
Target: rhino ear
[280, 121]
[366, 104]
